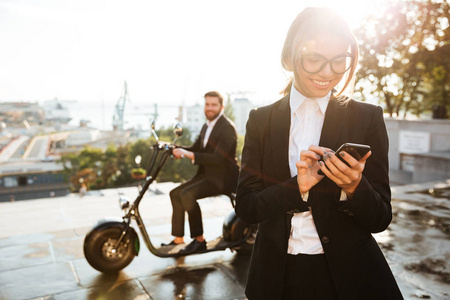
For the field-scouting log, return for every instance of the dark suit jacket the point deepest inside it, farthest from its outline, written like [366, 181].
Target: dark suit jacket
[218, 159]
[269, 196]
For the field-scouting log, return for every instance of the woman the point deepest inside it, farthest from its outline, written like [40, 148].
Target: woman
[315, 232]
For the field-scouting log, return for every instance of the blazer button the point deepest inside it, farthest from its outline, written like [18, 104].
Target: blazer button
[325, 239]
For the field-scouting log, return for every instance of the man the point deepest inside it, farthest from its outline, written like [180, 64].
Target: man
[214, 152]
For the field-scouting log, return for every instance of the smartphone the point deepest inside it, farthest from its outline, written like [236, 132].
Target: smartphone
[356, 150]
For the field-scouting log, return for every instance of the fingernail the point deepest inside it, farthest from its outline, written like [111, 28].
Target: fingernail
[329, 155]
[332, 151]
[325, 152]
[325, 157]
[318, 157]
[309, 166]
[320, 163]
[342, 154]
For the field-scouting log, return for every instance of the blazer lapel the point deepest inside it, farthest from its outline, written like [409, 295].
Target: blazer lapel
[279, 135]
[214, 132]
[202, 135]
[333, 124]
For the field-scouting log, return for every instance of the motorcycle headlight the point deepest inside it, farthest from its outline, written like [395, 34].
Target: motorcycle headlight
[124, 202]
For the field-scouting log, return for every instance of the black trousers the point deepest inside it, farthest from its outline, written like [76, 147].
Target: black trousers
[308, 278]
[184, 199]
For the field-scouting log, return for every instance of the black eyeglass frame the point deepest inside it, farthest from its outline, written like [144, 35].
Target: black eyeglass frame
[327, 61]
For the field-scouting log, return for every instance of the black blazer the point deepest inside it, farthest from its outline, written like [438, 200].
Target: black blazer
[268, 195]
[218, 159]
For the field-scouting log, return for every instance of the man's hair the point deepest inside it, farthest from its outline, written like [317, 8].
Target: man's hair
[215, 94]
[311, 22]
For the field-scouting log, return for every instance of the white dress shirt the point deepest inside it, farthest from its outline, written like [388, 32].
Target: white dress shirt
[210, 127]
[307, 116]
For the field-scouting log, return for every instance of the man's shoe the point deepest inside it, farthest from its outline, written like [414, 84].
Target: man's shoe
[172, 243]
[193, 247]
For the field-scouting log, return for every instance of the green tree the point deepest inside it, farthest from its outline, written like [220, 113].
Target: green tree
[112, 167]
[124, 166]
[82, 166]
[229, 111]
[405, 56]
[176, 170]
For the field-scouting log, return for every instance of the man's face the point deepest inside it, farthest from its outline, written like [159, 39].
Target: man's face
[212, 107]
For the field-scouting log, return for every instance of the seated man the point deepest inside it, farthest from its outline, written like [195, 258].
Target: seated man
[214, 152]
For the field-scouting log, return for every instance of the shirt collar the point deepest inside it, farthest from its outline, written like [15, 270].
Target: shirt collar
[296, 99]
[213, 122]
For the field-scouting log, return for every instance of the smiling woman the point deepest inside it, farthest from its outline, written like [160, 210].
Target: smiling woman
[315, 231]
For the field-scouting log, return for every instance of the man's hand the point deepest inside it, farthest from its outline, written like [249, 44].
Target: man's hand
[180, 153]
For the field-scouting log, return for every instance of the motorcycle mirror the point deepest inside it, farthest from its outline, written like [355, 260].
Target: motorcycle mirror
[178, 130]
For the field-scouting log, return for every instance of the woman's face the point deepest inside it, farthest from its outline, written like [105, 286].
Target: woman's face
[317, 85]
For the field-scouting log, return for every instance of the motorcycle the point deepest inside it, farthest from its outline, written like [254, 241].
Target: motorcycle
[112, 244]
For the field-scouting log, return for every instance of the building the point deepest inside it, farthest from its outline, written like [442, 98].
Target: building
[21, 180]
[241, 110]
[20, 114]
[56, 111]
[419, 150]
[194, 119]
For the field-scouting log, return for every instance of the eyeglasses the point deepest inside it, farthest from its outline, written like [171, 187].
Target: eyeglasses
[314, 63]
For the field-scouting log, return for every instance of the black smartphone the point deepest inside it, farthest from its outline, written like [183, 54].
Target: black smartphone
[356, 150]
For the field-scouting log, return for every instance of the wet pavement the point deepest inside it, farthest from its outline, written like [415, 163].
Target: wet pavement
[41, 254]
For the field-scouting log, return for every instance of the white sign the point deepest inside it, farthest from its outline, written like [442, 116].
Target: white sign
[412, 142]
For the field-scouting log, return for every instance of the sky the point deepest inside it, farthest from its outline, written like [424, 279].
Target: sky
[166, 51]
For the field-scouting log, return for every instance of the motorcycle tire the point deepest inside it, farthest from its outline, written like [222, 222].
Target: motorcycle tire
[243, 229]
[97, 250]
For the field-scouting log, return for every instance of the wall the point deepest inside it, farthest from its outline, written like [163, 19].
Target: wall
[417, 166]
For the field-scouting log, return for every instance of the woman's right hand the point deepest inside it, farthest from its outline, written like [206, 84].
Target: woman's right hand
[307, 168]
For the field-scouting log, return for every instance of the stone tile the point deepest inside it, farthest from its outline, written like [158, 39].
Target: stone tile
[82, 231]
[130, 289]
[37, 281]
[68, 249]
[26, 239]
[208, 282]
[143, 265]
[63, 234]
[14, 257]
[237, 268]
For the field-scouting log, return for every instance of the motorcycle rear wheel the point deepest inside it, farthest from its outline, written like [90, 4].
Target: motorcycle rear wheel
[100, 253]
[243, 229]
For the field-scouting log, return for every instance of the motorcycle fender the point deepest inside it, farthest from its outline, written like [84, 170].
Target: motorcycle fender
[116, 223]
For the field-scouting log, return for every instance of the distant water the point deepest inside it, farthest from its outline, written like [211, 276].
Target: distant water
[101, 114]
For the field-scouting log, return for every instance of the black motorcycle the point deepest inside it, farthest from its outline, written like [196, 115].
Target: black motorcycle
[113, 243]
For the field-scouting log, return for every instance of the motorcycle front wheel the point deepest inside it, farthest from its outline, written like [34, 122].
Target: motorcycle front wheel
[100, 253]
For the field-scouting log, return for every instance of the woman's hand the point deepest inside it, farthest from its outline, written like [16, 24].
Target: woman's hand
[346, 177]
[307, 168]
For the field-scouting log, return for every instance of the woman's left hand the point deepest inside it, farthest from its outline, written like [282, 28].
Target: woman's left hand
[346, 177]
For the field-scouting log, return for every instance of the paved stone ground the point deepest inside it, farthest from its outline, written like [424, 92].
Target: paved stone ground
[41, 253]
